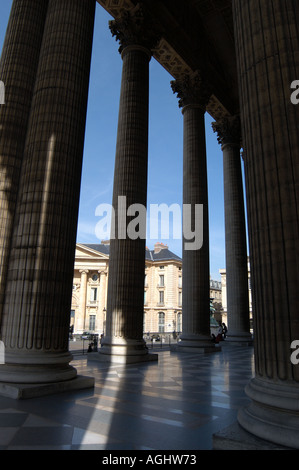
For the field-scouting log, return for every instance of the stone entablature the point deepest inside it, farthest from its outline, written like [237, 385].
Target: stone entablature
[165, 54]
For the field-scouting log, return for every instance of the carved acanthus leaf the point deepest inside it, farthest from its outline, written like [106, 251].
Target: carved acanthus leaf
[228, 130]
[192, 90]
[135, 27]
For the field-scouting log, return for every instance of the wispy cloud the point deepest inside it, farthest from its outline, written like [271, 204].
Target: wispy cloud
[86, 232]
[97, 195]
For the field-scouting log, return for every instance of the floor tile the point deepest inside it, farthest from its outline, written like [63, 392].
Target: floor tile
[176, 403]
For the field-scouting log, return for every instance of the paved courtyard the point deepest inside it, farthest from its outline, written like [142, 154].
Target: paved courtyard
[175, 404]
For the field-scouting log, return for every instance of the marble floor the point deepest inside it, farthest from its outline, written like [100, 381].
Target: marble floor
[177, 403]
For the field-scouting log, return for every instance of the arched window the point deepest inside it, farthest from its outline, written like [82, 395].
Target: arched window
[161, 322]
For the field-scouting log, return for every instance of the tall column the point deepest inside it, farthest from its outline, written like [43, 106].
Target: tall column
[194, 95]
[266, 38]
[229, 136]
[18, 66]
[39, 285]
[123, 341]
[83, 293]
[103, 297]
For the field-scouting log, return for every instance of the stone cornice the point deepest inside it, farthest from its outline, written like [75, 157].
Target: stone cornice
[116, 8]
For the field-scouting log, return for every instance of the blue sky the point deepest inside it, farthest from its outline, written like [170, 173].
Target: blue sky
[165, 143]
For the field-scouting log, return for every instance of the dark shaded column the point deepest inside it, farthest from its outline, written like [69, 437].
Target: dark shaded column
[229, 136]
[266, 41]
[18, 66]
[194, 95]
[123, 341]
[36, 312]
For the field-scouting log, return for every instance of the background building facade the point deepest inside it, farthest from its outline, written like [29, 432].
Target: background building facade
[162, 290]
[234, 59]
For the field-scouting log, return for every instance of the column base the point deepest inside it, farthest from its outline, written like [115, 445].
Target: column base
[122, 351]
[27, 391]
[197, 344]
[273, 414]
[234, 437]
[121, 359]
[239, 339]
[195, 350]
[37, 368]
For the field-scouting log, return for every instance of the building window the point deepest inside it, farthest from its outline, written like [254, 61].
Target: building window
[161, 322]
[93, 294]
[180, 299]
[161, 267]
[92, 322]
[161, 281]
[161, 297]
[180, 281]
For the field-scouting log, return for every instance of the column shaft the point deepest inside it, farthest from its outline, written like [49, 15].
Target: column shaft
[236, 247]
[196, 266]
[229, 136]
[103, 298]
[123, 341]
[40, 276]
[18, 68]
[83, 297]
[194, 94]
[266, 35]
[124, 325]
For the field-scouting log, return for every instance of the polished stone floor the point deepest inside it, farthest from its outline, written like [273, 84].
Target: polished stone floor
[175, 404]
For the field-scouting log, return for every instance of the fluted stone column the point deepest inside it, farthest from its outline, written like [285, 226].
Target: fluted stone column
[123, 341]
[266, 34]
[18, 66]
[229, 136]
[83, 294]
[39, 285]
[103, 295]
[194, 95]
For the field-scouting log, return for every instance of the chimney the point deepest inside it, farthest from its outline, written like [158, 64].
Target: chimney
[160, 246]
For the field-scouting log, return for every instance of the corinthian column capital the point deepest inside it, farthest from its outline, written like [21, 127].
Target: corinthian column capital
[228, 131]
[192, 90]
[135, 28]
